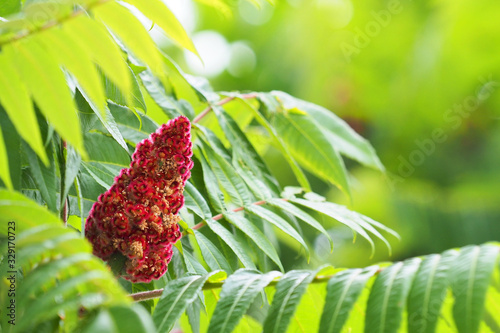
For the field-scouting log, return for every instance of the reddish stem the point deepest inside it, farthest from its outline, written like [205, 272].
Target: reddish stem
[145, 295]
[222, 102]
[220, 216]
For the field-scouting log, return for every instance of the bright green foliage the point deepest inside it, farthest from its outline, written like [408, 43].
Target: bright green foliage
[84, 83]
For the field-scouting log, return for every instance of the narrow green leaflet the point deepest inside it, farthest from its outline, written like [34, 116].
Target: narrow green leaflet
[82, 280]
[73, 160]
[244, 149]
[227, 177]
[77, 60]
[213, 257]
[288, 207]
[46, 83]
[133, 126]
[289, 291]
[311, 148]
[301, 177]
[114, 93]
[232, 242]
[384, 310]
[86, 31]
[159, 13]
[157, 92]
[16, 100]
[472, 271]
[177, 295]
[195, 202]
[336, 130]
[44, 176]
[279, 223]
[213, 140]
[12, 142]
[429, 291]
[238, 292]
[104, 150]
[16, 207]
[343, 216]
[121, 319]
[307, 315]
[214, 193]
[192, 264]
[133, 34]
[255, 235]
[4, 166]
[86, 105]
[343, 290]
[80, 203]
[43, 275]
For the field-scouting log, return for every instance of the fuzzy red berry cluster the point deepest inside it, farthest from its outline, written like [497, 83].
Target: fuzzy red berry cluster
[137, 216]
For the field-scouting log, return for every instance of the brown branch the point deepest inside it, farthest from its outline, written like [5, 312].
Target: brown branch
[221, 215]
[151, 294]
[222, 102]
[53, 23]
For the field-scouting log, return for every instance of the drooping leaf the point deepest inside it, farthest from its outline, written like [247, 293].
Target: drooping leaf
[78, 61]
[177, 295]
[288, 207]
[472, 271]
[289, 291]
[114, 93]
[133, 34]
[27, 214]
[4, 166]
[238, 292]
[311, 148]
[16, 100]
[86, 106]
[157, 93]
[336, 130]
[338, 212]
[244, 150]
[214, 193]
[159, 13]
[343, 290]
[106, 53]
[232, 242]
[195, 202]
[299, 174]
[227, 177]
[384, 310]
[48, 251]
[45, 81]
[72, 168]
[213, 257]
[44, 176]
[255, 235]
[429, 291]
[278, 222]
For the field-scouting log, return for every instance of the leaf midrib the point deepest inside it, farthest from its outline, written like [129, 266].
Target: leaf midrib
[470, 284]
[179, 295]
[236, 301]
[318, 148]
[287, 296]
[341, 300]
[387, 296]
[428, 289]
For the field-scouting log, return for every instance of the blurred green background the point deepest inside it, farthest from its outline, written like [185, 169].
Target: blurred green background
[419, 79]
